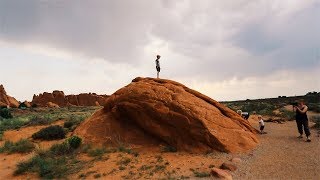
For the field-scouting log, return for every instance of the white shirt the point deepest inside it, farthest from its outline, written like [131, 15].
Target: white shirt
[244, 113]
[261, 123]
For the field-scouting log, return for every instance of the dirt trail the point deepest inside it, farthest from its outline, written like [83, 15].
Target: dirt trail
[281, 155]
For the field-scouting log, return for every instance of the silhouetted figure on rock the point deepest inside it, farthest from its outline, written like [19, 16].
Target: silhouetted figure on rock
[158, 65]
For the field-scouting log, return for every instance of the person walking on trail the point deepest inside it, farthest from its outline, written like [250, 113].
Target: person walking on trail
[302, 120]
[158, 65]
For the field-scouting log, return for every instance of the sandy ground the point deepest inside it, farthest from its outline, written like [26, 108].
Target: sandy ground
[8, 162]
[175, 165]
[281, 155]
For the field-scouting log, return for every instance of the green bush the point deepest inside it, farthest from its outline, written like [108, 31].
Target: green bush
[50, 133]
[68, 124]
[288, 115]
[22, 106]
[74, 142]
[314, 107]
[201, 174]
[36, 120]
[22, 146]
[5, 113]
[316, 119]
[61, 149]
[169, 149]
[46, 167]
[13, 123]
[55, 163]
[73, 121]
[99, 152]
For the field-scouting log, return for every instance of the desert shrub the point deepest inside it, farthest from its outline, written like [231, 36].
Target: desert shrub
[73, 121]
[22, 106]
[99, 152]
[56, 162]
[74, 142]
[50, 133]
[13, 123]
[288, 115]
[5, 113]
[37, 120]
[61, 149]
[67, 124]
[168, 149]
[22, 146]
[97, 176]
[124, 161]
[314, 107]
[316, 119]
[201, 174]
[67, 147]
[46, 167]
[85, 148]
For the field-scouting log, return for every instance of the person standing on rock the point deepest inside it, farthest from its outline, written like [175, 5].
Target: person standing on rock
[302, 120]
[158, 65]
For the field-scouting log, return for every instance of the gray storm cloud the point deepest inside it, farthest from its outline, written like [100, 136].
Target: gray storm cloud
[220, 39]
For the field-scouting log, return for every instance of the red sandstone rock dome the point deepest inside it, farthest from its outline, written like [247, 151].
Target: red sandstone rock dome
[152, 111]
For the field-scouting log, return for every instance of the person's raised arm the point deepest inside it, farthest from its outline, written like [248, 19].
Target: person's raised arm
[305, 109]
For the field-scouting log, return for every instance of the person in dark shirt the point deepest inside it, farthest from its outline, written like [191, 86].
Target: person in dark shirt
[158, 65]
[302, 120]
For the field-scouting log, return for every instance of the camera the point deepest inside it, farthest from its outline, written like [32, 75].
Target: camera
[294, 103]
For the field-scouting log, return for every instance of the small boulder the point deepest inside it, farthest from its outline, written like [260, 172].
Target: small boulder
[236, 160]
[220, 173]
[228, 166]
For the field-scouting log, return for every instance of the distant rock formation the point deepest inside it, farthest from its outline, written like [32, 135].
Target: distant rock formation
[61, 100]
[149, 112]
[25, 104]
[6, 100]
[52, 105]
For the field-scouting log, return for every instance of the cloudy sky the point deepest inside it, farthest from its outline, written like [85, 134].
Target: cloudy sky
[226, 49]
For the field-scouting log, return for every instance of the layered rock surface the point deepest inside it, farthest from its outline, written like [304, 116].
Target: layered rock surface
[149, 112]
[6, 100]
[60, 99]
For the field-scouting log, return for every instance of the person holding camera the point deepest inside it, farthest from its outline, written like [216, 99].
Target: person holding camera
[302, 120]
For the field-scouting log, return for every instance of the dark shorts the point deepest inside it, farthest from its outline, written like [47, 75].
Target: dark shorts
[246, 117]
[261, 128]
[158, 68]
